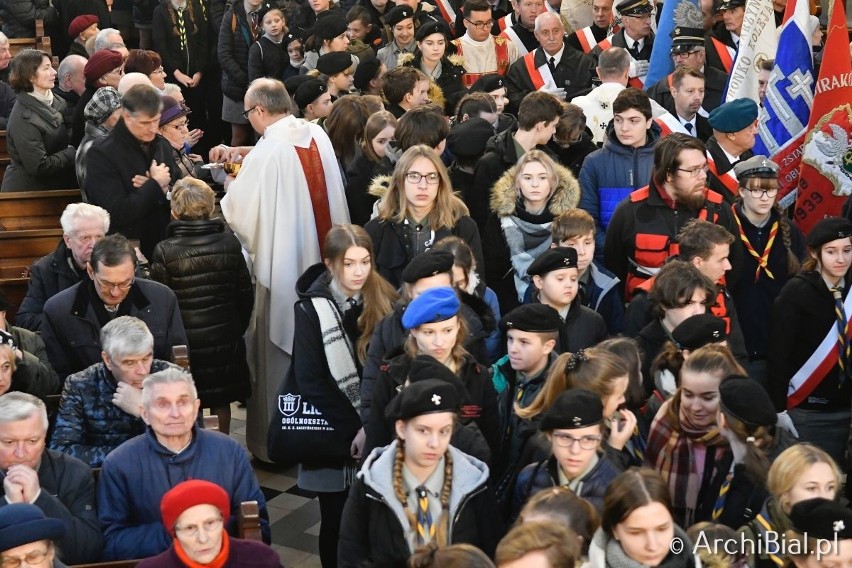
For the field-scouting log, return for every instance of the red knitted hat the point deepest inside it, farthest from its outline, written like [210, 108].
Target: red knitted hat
[100, 63]
[80, 23]
[189, 494]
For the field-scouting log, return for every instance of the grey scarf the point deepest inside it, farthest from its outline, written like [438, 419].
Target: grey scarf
[526, 241]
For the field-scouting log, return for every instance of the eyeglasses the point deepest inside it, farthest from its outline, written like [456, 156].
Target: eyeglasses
[696, 171]
[480, 25]
[248, 112]
[109, 286]
[758, 193]
[35, 557]
[181, 126]
[568, 441]
[414, 177]
[685, 54]
[210, 525]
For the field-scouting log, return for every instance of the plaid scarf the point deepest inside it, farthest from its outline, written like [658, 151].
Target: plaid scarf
[672, 444]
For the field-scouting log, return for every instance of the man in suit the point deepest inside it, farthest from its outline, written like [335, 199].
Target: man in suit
[687, 93]
[635, 35]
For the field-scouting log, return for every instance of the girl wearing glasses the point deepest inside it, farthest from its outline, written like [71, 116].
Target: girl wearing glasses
[772, 248]
[417, 210]
[684, 443]
[195, 514]
[809, 359]
[574, 427]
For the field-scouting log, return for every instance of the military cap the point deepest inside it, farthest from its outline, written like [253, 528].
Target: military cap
[757, 167]
[733, 116]
[538, 318]
[553, 259]
[829, 229]
[747, 401]
[398, 14]
[699, 330]
[433, 305]
[821, 518]
[424, 397]
[634, 7]
[334, 62]
[575, 408]
[488, 84]
[684, 39]
[429, 263]
[731, 4]
[309, 91]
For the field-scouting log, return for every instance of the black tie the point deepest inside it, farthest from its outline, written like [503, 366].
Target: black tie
[688, 126]
[634, 51]
[552, 64]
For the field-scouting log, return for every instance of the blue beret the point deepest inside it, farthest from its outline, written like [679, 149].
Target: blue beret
[733, 116]
[433, 305]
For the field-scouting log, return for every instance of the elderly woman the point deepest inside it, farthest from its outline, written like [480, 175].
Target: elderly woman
[103, 69]
[149, 63]
[174, 127]
[37, 138]
[101, 114]
[27, 537]
[194, 513]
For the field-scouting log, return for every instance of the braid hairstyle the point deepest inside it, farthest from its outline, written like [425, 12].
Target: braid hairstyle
[793, 263]
[442, 533]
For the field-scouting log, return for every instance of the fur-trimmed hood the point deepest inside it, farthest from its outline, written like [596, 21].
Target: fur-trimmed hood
[380, 186]
[504, 197]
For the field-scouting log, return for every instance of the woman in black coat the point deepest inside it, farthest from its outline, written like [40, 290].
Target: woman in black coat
[42, 157]
[414, 215]
[239, 30]
[205, 268]
[419, 489]
[340, 303]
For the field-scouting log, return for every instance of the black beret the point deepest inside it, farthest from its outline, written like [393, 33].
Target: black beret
[398, 14]
[699, 330]
[425, 367]
[821, 518]
[634, 7]
[731, 4]
[575, 408]
[366, 72]
[468, 139]
[291, 36]
[427, 264]
[293, 83]
[747, 401]
[829, 229]
[265, 9]
[733, 116]
[309, 91]
[538, 318]
[488, 83]
[758, 167]
[334, 62]
[424, 397]
[553, 259]
[329, 25]
[432, 27]
[684, 39]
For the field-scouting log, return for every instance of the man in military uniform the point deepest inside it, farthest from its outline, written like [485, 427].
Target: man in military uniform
[635, 35]
[734, 130]
[724, 39]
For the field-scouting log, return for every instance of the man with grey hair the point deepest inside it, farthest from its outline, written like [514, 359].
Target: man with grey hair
[83, 225]
[7, 95]
[70, 83]
[61, 486]
[137, 474]
[555, 67]
[613, 66]
[100, 406]
[281, 215]
[110, 38]
[5, 57]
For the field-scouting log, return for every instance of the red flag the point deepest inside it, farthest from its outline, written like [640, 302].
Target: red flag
[826, 170]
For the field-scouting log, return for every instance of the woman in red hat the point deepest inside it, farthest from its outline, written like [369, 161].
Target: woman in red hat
[195, 513]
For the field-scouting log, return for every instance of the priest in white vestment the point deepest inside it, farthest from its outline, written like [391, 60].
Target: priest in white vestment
[287, 195]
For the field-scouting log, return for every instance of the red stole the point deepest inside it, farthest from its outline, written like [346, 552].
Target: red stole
[315, 176]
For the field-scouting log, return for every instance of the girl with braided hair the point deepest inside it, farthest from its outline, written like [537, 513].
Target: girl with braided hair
[772, 250]
[419, 489]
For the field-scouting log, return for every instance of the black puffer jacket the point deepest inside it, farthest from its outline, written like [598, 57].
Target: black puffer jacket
[205, 268]
[235, 39]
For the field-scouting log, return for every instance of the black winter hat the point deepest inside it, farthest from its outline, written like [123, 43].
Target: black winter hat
[744, 399]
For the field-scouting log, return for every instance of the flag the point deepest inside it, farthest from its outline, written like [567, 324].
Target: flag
[789, 96]
[661, 60]
[758, 42]
[826, 171]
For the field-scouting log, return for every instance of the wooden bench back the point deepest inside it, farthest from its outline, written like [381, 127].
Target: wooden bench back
[18, 250]
[34, 209]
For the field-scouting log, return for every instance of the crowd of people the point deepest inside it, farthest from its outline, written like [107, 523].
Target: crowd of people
[504, 303]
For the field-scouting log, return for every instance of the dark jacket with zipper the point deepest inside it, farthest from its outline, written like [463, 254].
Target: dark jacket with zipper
[269, 59]
[204, 266]
[480, 407]
[192, 57]
[72, 326]
[42, 155]
[374, 526]
[49, 275]
[582, 328]
[235, 39]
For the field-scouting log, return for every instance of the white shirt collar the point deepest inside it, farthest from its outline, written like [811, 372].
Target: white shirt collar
[557, 57]
[639, 43]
